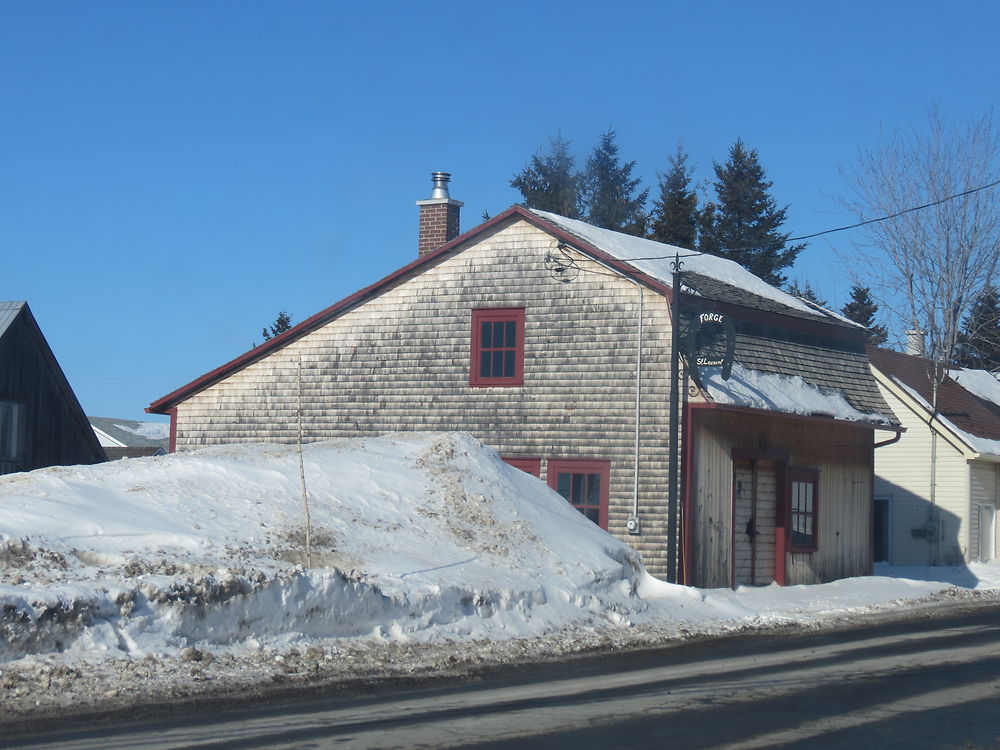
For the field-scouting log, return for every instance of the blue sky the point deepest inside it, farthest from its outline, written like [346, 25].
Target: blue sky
[172, 175]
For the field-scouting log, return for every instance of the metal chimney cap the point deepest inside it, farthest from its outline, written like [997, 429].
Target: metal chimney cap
[441, 180]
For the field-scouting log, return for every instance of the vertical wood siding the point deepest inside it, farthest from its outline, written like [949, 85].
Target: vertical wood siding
[755, 494]
[54, 430]
[841, 453]
[401, 362]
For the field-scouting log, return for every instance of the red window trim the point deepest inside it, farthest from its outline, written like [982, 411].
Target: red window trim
[497, 314]
[805, 476]
[583, 466]
[531, 466]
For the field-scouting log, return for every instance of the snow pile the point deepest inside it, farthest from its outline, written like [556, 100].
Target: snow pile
[419, 536]
[164, 578]
[784, 393]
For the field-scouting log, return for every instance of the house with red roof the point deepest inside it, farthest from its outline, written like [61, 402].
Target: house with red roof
[567, 348]
[938, 488]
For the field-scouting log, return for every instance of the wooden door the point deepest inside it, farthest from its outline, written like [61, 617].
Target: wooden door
[755, 501]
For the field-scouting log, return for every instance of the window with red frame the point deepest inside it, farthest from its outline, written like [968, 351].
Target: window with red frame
[803, 509]
[497, 347]
[584, 484]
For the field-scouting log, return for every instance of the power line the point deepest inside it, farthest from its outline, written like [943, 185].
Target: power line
[897, 214]
[849, 226]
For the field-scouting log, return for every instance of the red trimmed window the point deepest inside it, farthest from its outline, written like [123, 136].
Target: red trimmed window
[497, 347]
[531, 466]
[803, 509]
[584, 484]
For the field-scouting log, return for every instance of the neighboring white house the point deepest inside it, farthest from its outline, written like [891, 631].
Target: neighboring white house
[938, 488]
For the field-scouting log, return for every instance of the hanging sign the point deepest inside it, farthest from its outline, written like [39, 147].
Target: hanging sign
[711, 342]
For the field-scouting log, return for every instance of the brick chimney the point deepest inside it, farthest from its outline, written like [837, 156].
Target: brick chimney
[438, 216]
[915, 342]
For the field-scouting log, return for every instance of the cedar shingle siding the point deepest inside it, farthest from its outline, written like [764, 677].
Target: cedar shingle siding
[401, 362]
[396, 356]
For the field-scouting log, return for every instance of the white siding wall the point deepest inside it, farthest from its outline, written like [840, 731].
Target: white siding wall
[985, 489]
[401, 362]
[903, 472]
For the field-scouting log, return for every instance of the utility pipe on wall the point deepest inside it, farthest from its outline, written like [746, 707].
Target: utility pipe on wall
[633, 522]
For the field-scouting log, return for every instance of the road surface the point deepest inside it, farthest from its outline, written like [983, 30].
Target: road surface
[919, 683]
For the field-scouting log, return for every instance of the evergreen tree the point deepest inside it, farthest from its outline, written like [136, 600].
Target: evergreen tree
[609, 192]
[550, 182]
[707, 241]
[978, 344]
[747, 221]
[806, 292]
[674, 219]
[281, 324]
[861, 309]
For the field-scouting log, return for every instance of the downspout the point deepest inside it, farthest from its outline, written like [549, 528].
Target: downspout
[890, 441]
[632, 525]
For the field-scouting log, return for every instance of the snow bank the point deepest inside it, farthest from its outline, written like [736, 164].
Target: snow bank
[164, 578]
[413, 537]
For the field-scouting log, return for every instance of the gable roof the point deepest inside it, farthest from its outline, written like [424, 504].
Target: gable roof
[129, 433]
[703, 274]
[974, 420]
[8, 314]
[646, 261]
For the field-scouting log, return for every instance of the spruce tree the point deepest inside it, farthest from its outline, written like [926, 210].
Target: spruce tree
[674, 218]
[806, 292]
[281, 324]
[747, 221]
[707, 241]
[550, 182]
[609, 192]
[861, 309]
[978, 344]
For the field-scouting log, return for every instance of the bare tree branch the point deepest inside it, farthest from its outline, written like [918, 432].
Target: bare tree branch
[928, 267]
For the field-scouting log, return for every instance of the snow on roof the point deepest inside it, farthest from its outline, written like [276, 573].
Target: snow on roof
[978, 382]
[978, 444]
[657, 256]
[133, 433]
[783, 393]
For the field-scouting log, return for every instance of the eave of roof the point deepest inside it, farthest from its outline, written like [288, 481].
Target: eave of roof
[964, 413]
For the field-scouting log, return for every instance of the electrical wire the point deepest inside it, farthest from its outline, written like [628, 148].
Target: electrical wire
[841, 229]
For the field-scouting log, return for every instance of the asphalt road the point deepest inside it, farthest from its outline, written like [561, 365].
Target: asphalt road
[930, 682]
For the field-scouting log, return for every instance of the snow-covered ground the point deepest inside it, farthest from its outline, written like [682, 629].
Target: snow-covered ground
[158, 578]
